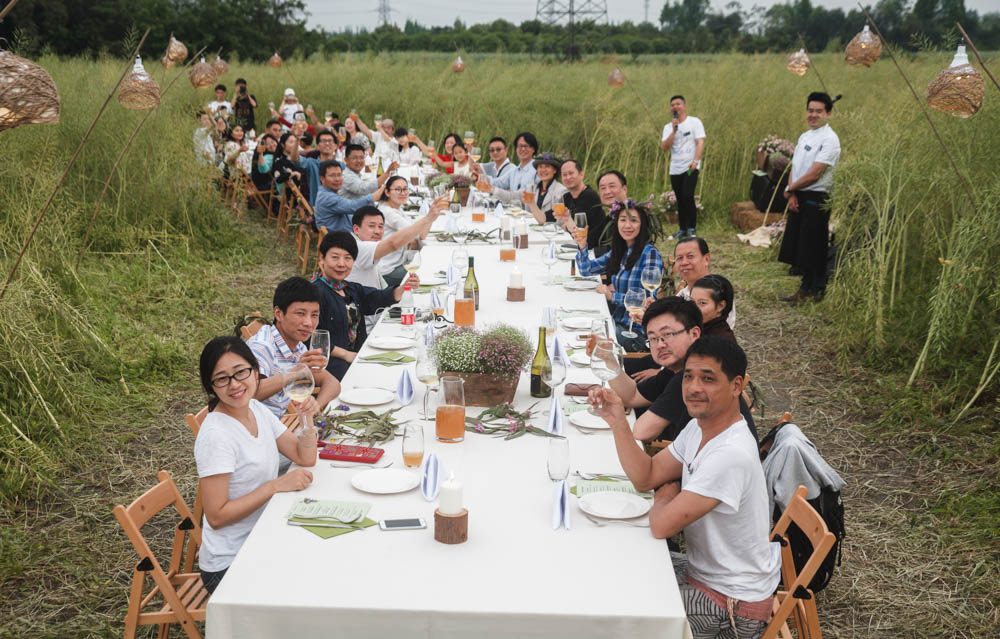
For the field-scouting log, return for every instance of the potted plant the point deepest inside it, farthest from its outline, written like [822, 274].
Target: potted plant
[490, 360]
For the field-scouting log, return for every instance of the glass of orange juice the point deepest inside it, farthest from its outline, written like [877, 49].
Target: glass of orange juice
[465, 311]
[449, 420]
[559, 210]
[508, 252]
[413, 444]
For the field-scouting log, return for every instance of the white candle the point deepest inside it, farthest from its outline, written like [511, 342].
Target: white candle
[450, 496]
[516, 279]
[505, 223]
[522, 228]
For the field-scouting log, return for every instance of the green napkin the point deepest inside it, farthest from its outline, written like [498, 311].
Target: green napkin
[425, 288]
[389, 359]
[326, 532]
[606, 484]
[593, 314]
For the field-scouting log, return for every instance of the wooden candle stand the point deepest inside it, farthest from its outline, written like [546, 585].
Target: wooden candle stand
[515, 294]
[451, 529]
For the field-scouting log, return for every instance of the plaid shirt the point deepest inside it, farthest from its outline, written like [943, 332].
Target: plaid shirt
[274, 357]
[623, 280]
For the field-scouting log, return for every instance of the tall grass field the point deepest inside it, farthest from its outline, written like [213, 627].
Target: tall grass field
[92, 352]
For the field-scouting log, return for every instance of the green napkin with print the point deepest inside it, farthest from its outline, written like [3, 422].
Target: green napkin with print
[606, 484]
[392, 358]
[326, 532]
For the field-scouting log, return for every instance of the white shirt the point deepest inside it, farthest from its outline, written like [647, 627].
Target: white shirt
[728, 547]
[394, 221]
[220, 105]
[383, 148]
[816, 145]
[407, 156]
[289, 110]
[365, 271]
[225, 447]
[683, 149]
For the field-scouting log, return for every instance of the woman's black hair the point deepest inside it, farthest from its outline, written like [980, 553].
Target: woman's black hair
[282, 140]
[459, 145]
[210, 356]
[619, 247]
[458, 140]
[341, 240]
[388, 185]
[229, 132]
[719, 289]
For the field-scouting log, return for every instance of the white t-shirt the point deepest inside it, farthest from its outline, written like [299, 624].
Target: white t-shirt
[394, 221]
[288, 111]
[220, 105]
[383, 148]
[366, 272]
[816, 145]
[683, 148]
[225, 447]
[728, 547]
[408, 156]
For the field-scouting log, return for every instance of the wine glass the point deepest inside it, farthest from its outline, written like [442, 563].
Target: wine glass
[549, 230]
[555, 374]
[427, 373]
[378, 119]
[460, 260]
[633, 304]
[549, 320]
[414, 264]
[651, 277]
[558, 458]
[469, 138]
[476, 154]
[298, 385]
[321, 340]
[461, 233]
[604, 362]
[598, 332]
[413, 445]
[580, 220]
[549, 258]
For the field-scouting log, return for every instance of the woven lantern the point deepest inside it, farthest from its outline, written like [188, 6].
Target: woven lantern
[616, 78]
[959, 89]
[863, 49]
[275, 60]
[27, 93]
[220, 66]
[799, 62]
[139, 91]
[458, 66]
[202, 75]
[165, 61]
[176, 51]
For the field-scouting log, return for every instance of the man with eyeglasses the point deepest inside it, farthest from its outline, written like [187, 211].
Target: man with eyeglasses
[672, 325]
[354, 185]
[333, 210]
[509, 186]
[311, 161]
[391, 264]
[499, 165]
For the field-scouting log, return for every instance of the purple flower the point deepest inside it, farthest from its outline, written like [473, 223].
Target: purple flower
[479, 428]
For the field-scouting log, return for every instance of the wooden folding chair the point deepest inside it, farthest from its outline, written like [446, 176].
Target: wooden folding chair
[319, 240]
[248, 331]
[794, 598]
[256, 198]
[183, 596]
[194, 423]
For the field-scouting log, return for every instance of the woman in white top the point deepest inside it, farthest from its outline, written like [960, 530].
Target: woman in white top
[355, 136]
[396, 194]
[460, 157]
[548, 191]
[408, 154]
[237, 455]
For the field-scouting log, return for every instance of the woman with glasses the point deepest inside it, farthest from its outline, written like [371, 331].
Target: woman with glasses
[236, 452]
[631, 251]
[397, 193]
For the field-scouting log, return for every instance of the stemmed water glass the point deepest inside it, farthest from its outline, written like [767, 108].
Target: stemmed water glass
[555, 374]
[633, 303]
[604, 362]
[461, 232]
[549, 230]
[299, 385]
[460, 260]
[428, 374]
[548, 259]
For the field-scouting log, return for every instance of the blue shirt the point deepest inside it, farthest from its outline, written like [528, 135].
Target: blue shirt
[334, 211]
[624, 279]
[311, 166]
[516, 178]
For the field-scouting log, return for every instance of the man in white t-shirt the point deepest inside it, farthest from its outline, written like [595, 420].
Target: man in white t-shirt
[684, 137]
[804, 242]
[221, 106]
[710, 484]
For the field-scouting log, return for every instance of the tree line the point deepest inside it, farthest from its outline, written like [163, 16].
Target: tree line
[254, 29]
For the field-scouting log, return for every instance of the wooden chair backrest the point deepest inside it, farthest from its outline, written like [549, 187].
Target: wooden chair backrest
[319, 240]
[796, 586]
[194, 421]
[251, 329]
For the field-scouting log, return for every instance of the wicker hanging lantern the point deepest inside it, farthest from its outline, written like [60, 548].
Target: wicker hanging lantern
[616, 78]
[863, 49]
[458, 66]
[959, 89]
[275, 60]
[27, 93]
[220, 66]
[176, 51]
[799, 62]
[139, 91]
[202, 75]
[165, 61]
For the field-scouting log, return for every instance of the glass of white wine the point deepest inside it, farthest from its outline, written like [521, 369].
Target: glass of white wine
[651, 277]
[428, 374]
[604, 362]
[299, 385]
[548, 259]
[633, 304]
[414, 264]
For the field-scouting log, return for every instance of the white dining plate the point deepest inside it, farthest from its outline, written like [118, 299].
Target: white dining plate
[385, 481]
[432, 280]
[581, 285]
[577, 323]
[584, 419]
[612, 505]
[568, 255]
[391, 343]
[366, 396]
[580, 359]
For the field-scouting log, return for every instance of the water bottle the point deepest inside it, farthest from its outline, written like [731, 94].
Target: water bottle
[407, 309]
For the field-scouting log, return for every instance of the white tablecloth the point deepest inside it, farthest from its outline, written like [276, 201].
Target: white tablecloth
[514, 577]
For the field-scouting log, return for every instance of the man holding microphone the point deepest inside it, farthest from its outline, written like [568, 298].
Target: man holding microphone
[684, 137]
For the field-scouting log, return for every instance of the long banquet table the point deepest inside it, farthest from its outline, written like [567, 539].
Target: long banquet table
[514, 577]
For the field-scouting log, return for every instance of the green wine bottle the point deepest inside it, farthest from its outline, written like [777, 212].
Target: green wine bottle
[541, 364]
[471, 285]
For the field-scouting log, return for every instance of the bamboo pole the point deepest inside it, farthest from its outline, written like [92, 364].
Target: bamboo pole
[812, 65]
[968, 41]
[114, 167]
[930, 122]
[72, 161]
[642, 100]
[10, 5]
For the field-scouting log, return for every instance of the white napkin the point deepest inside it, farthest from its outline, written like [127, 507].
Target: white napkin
[498, 211]
[451, 224]
[425, 208]
[549, 316]
[559, 351]
[404, 388]
[432, 474]
[429, 336]
[555, 416]
[451, 276]
[560, 506]
[551, 251]
[436, 299]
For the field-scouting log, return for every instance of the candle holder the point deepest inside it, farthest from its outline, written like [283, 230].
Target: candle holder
[515, 294]
[451, 529]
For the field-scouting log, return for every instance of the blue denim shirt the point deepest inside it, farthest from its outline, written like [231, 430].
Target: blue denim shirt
[334, 211]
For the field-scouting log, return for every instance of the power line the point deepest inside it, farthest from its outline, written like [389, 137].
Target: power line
[554, 12]
[384, 12]
[645, 11]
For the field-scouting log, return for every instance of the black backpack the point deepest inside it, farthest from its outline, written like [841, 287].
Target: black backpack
[830, 507]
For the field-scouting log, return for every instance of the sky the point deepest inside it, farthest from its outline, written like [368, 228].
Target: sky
[335, 15]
